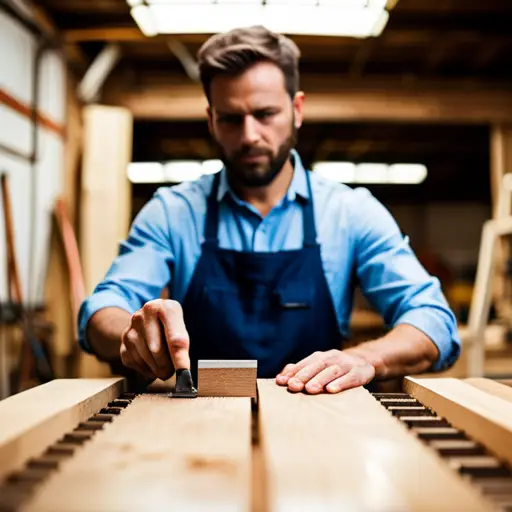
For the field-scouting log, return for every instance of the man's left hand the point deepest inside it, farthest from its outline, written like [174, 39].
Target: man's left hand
[332, 371]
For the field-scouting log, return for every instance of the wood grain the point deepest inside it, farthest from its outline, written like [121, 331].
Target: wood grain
[34, 419]
[346, 452]
[160, 454]
[482, 416]
[227, 378]
[493, 387]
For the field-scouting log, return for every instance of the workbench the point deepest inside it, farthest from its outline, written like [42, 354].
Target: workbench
[88, 445]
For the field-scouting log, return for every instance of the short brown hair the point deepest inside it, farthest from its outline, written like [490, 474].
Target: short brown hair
[233, 52]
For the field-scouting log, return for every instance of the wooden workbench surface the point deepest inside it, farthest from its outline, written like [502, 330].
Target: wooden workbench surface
[291, 452]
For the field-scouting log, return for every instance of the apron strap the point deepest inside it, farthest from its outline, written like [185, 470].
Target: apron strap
[308, 217]
[212, 214]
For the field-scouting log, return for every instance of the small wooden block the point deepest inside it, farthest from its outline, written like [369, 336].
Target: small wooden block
[227, 378]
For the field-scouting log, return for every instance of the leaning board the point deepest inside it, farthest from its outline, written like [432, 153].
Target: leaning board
[346, 452]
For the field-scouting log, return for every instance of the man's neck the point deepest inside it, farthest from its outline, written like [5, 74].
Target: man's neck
[265, 198]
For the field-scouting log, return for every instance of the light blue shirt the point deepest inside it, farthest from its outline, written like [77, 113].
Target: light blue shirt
[355, 231]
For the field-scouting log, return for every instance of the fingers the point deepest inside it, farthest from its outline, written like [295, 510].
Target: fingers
[332, 371]
[358, 376]
[291, 369]
[284, 376]
[158, 351]
[297, 382]
[131, 359]
[155, 340]
[317, 384]
[176, 334]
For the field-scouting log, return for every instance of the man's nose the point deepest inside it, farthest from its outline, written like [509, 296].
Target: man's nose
[250, 134]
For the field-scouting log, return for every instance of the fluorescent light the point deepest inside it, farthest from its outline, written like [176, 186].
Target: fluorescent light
[293, 3]
[182, 170]
[379, 4]
[143, 16]
[145, 172]
[407, 173]
[344, 172]
[304, 18]
[212, 166]
[380, 24]
[372, 173]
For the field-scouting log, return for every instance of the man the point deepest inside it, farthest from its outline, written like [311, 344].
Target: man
[261, 259]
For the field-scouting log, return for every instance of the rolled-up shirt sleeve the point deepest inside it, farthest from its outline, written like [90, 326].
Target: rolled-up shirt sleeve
[395, 282]
[140, 271]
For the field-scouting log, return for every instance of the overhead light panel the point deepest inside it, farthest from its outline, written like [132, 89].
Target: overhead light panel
[174, 171]
[178, 171]
[146, 172]
[372, 173]
[349, 18]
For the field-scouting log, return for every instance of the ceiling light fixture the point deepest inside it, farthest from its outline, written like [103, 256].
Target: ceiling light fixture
[368, 173]
[349, 18]
[177, 171]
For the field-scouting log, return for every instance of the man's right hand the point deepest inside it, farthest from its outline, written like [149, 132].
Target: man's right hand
[156, 341]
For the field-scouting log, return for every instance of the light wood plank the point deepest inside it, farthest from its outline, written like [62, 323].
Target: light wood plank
[493, 387]
[105, 202]
[227, 378]
[346, 452]
[484, 418]
[36, 418]
[160, 454]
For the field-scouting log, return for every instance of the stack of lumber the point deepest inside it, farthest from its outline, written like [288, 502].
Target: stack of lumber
[441, 444]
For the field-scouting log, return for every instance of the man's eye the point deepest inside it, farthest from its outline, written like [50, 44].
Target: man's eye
[263, 115]
[230, 119]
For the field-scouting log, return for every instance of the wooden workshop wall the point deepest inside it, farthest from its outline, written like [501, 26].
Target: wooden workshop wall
[16, 98]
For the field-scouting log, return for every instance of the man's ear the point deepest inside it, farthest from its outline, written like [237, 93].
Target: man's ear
[298, 108]
[210, 119]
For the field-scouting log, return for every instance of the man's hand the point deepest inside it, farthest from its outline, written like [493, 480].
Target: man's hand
[331, 371]
[156, 340]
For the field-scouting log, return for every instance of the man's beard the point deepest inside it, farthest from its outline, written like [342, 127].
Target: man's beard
[258, 174]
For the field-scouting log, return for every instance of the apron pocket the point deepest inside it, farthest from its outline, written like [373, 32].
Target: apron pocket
[295, 297]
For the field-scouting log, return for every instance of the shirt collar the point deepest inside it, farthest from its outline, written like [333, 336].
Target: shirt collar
[298, 185]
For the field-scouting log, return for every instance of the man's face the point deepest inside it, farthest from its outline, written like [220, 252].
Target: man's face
[254, 123]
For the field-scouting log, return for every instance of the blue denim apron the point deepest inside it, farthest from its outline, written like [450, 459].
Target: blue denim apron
[275, 307]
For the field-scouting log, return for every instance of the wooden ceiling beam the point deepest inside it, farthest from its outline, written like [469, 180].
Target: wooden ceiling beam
[337, 100]
[391, 35]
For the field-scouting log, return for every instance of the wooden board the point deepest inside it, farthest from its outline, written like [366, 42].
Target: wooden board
[32, 420]
[484, 418]
[346, 452]
[105, 200]
[160, 454]
[227, 378]
[493, 387]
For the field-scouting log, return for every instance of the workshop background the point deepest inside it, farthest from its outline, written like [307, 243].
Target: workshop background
[100, 105]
